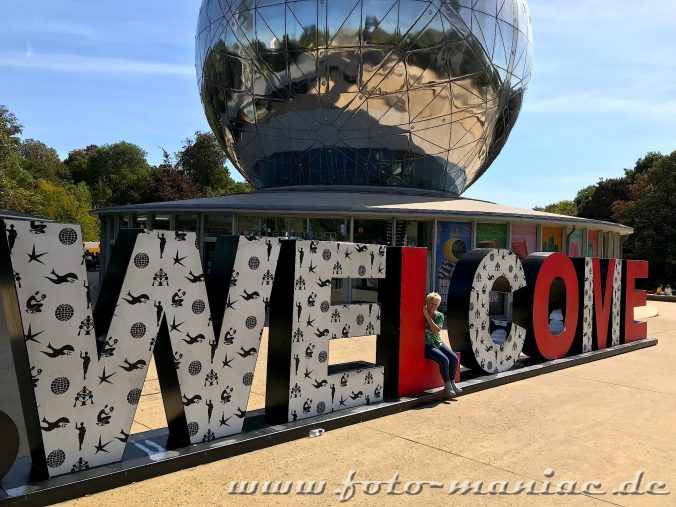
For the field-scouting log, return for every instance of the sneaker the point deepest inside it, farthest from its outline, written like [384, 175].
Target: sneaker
[449, 390]
[455, 387]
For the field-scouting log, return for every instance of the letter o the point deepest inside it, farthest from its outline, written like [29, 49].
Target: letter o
[541, 271]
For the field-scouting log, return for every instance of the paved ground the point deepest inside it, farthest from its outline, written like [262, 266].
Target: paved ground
[601, 421]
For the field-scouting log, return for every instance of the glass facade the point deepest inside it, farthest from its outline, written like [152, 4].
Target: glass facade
[139, 222]
[414, 233]
[420, 234]
[283, 227]
[377, 232]
[390, 92]
[329, 229]
[161, 222]
[187, 223]
[217, 224]
[453, 239]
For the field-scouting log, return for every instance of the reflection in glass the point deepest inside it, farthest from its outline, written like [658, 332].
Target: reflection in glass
[161, 222]
[215, 225]
[139, 222]
[380, 92]
[186, 223]
[377, 232]
[283, 227]
[329, 229]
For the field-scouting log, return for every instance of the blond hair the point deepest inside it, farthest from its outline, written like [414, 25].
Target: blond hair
[433, 296]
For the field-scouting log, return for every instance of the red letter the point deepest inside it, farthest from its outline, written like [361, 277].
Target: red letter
[632, 298]
[401, 343]
[415, 372]
[550, 346]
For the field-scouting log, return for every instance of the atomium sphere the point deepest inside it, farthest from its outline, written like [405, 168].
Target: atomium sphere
[403, 93]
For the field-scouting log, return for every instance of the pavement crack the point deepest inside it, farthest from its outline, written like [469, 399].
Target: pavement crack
[144, 425]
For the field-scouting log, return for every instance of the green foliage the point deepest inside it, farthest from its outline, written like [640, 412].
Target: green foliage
[41, 161]
[203, 161]
[116, 173]
[651, 211]
[10, 130]
[561, 208]
[67, 203]
[599, 203]
[644, 199]
[78, 160]
[35, 181]
[584, 197]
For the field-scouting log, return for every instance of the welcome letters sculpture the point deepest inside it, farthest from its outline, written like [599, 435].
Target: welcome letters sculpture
[81, 370]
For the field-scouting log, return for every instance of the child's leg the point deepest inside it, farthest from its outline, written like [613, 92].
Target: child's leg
[440, 358]
[452, 359]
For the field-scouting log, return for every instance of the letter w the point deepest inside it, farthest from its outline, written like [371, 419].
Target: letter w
[80, 396]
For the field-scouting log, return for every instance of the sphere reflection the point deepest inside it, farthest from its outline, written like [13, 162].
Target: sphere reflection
[407, 93]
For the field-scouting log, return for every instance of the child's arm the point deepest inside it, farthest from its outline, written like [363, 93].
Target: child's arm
[430, 321]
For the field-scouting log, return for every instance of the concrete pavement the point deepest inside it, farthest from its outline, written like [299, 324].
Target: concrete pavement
[602, 421]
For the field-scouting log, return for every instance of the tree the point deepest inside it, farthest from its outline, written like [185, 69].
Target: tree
[41, 161]
[560, 208]
[203, 161]
[167, 183]
[78, 160]
[116, 173]
[643, 165]
[651, 211]
[10, 130]
[67, 203]
[13, 177]
[597, 203]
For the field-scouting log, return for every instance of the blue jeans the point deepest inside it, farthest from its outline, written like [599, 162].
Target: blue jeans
[446, 358]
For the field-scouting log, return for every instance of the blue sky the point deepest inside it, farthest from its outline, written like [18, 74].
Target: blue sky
[603, 91]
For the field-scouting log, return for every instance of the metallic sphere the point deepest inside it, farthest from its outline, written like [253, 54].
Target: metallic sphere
[403, 93]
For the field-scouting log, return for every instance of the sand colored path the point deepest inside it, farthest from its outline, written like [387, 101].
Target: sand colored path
[602, 421]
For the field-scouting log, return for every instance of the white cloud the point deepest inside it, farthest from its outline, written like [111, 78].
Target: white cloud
[78, 63]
